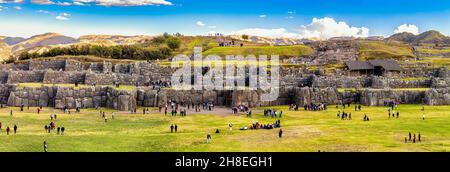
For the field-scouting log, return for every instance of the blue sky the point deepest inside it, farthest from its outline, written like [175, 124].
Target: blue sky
[290, 18]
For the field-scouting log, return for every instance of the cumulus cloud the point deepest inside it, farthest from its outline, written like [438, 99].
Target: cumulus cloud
[124, 2]
[323, 28]
[63, 16]
[326, 28]
[63, 3]
[42, 2]
[262, 16]
[18, 8]
[10, 1]
[410, 28]
[200, 23]
[270, 33]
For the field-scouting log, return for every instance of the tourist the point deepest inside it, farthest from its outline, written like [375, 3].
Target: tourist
[106, 119]
[15, 128]
[409, 136]
[423, 117]
[62, 130]
[208, 138]
[398, 114]
[176, 128]
[419, 137]
[113, 115]
[280, 133]
[58, 130]
[171, 128]
[406, 140]
[231, 126]
[217, 131]
[11, 113]
[45, 147]
[7, 130]
[414, 138]
[38, 111]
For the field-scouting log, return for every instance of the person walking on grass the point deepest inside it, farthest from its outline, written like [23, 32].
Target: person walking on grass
[176, 128]
[171, 128]
[45, 146]
[62, 130]
[208, 138]
[280, 133]
[15, 128]
[7, 130]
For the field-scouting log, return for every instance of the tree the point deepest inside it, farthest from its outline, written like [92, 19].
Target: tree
[158, 40]
[173, 43]
[245, 37]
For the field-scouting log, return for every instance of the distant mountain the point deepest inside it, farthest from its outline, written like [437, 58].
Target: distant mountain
[428, 37]
[13, 40]
[47, 39]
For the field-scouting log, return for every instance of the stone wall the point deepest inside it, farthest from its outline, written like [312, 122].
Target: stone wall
[438, 96]
[48, 64]
[385, 82]
[111, 78]
[5, 90]
[339, 82]
[25, 76]
[60, 77]
[307, 95]
[378, 97]
[33, 97]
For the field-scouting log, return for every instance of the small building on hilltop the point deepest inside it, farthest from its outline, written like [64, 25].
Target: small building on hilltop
[386, 68]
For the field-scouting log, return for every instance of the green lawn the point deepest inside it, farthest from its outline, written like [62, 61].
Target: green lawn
[380, 50]
[282, 51]
[303, 131]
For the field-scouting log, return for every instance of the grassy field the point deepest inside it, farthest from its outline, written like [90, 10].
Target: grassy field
[378, 49]
[282, 51]
[302, 131]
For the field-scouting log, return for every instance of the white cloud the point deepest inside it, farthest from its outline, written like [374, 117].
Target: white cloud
[44, 11]
[42, 2]
[10, 1]
[63, 16]
[410, 28]
[270, 33]
[326, 28]
[200, 23]
[63, 3]
[124, 2]
[262, 16]
[79, 3]
[18, 8]
[212, 27]
[323, 28]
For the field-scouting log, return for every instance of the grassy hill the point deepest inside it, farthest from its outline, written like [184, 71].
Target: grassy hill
[380, 50]
[282, 51]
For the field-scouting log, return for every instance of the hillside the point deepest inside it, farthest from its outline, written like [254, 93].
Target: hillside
[428, 37]
[5, 51]
[380, 50]
[47, 39]
[282, 51]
